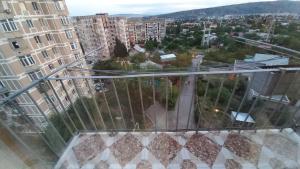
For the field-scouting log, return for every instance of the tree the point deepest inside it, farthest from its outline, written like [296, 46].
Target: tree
[120, 49]
[151, 44]
[138, 58]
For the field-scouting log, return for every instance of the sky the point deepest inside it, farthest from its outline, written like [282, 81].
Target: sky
[144, 7]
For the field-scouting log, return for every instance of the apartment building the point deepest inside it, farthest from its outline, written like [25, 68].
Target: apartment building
[92, 35]
[139, 30]
[36, 38]
[100, 31]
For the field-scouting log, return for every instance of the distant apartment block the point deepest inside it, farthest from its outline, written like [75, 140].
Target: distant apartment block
[100, 31]
[139, 31]
[36, 38]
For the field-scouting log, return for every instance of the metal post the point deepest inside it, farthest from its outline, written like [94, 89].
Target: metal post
[142, 103]
[167, 101]
[106, 102]
[254, 103]
[58, 113]
[129, 101]
[282, 97]
[269, 98]
[57, 97]
[192, 101]
[232, 94]
[46, 118]
[244, 98]
[84, 106]
[219, 93]
[203, 102]
[70, 100]
[179, 102]
[155, 113]
[118, 101]
[96, 104]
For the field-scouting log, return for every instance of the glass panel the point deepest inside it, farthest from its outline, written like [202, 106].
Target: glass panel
[28, 136]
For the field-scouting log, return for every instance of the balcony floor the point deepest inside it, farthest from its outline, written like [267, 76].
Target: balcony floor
[183, 150]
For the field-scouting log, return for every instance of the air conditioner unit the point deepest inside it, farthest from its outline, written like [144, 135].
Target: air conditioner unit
[8, 11]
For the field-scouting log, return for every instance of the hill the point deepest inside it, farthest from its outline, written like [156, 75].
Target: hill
[239, 9]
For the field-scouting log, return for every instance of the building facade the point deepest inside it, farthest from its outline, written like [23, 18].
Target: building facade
[36, 39]
[100, 31]
[139, 31]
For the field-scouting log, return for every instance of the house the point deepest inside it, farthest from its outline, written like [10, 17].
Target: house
[150, 65]
[268, 59]
[139, 49]
[167, 58]
[239, 118]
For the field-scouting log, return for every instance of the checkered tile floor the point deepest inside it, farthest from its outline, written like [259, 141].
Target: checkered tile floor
[218, 150]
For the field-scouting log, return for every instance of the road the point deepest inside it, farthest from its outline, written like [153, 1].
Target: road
[184, 108]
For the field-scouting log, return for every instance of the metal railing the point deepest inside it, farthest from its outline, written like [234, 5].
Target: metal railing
[43, 121]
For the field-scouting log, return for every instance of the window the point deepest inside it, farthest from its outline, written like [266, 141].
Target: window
[27, 60]
[15, 44]
[76, 56]
[35, 6]
[73, 45]
[45, 54]
[36, 75]
[29, 23]
[8, 25]
[49, 37]
[51, 66]
[43, 22]
[59, 61]
[54, 50]
[37, 39]
[69, 34]
[64, 20]
[59, 5]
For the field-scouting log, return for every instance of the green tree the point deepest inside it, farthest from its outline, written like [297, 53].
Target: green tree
[138, 58]
[120, 49]
[151, 44]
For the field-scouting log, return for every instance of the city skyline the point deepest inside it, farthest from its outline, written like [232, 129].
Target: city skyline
[90, 7]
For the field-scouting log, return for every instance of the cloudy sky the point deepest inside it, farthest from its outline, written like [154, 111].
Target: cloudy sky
[148, 7]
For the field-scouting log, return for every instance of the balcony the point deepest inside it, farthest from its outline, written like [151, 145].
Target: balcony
[184, 119]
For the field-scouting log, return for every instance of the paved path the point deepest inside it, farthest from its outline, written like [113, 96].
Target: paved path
[184, 108]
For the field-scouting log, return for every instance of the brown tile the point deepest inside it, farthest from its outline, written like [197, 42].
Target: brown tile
[188, 164]
[88, 148]
[243, 147]
[203, 148]
[232, 164]
[164, 148]
[126, 148]
[144, 165]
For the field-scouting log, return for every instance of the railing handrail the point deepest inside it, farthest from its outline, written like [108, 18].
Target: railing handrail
[185, 73]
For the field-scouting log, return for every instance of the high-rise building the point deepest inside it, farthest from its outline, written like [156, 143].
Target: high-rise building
[100, 31]
[139, 31]
[36, 39]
